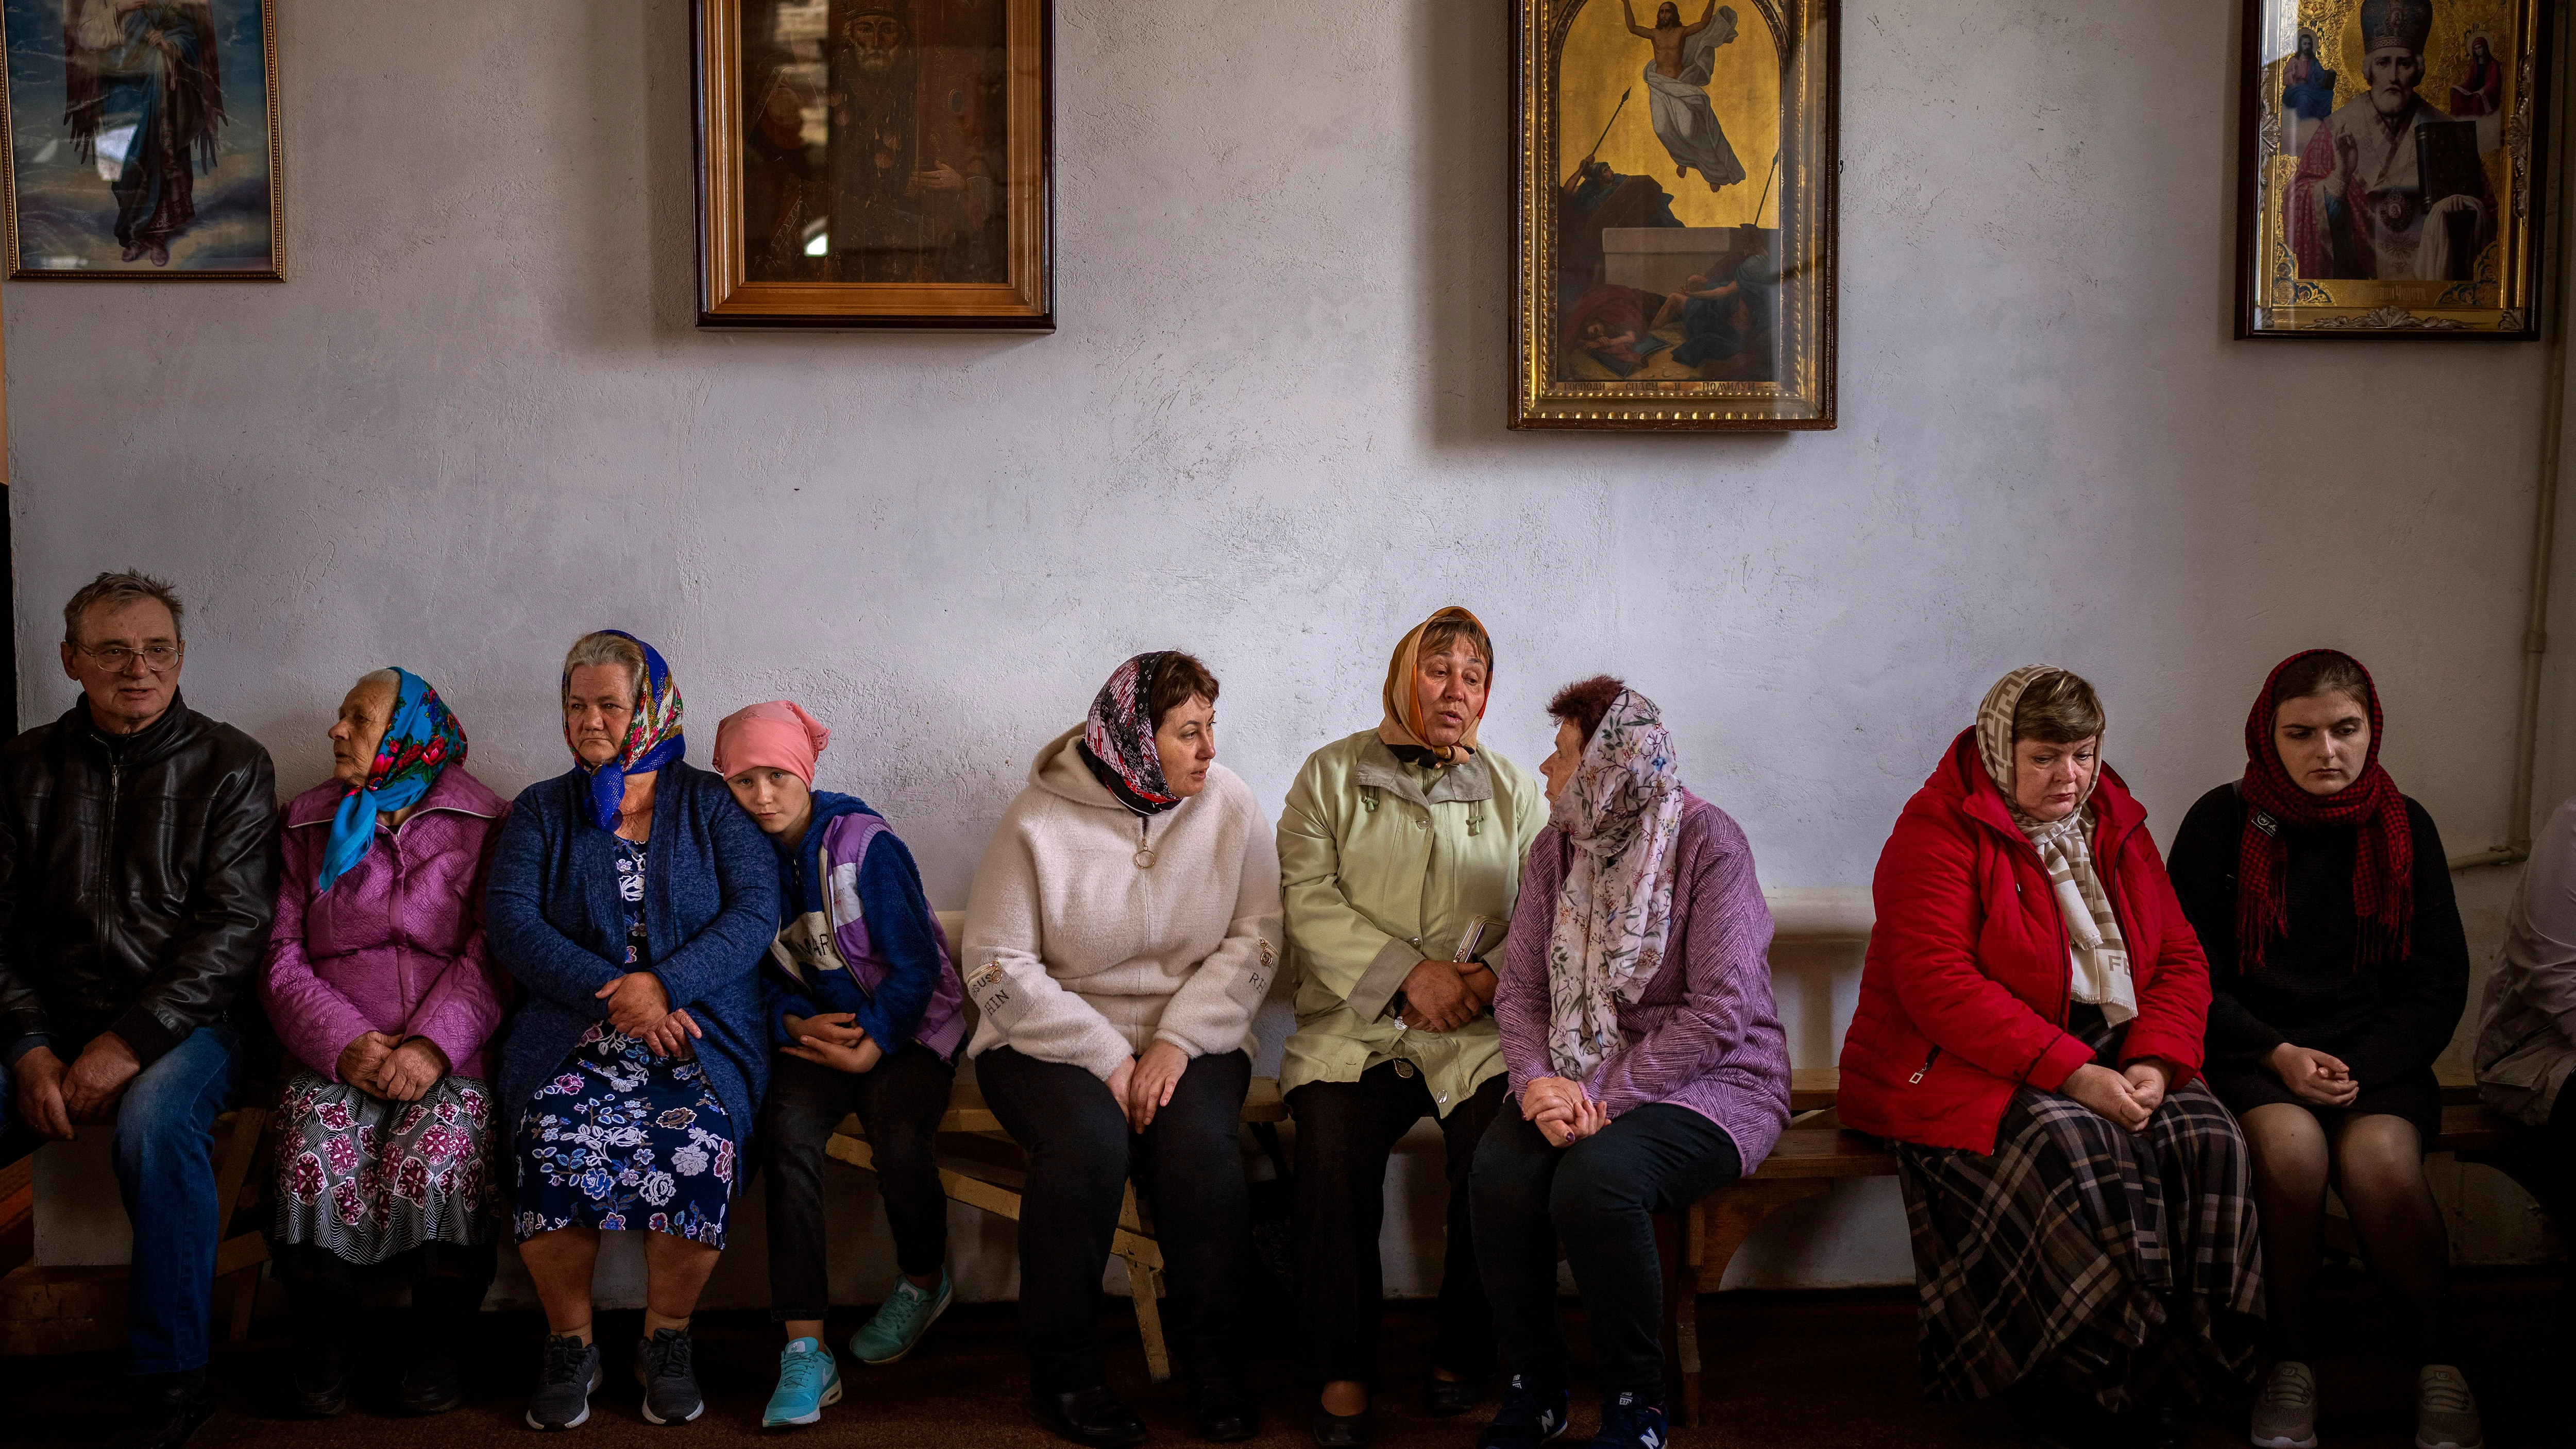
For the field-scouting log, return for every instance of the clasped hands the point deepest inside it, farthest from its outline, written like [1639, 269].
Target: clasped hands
[2313, 1076]
[1143, 1083]
[51, 1096]
[2128, 1096]
[639, 1007]
[1446, 995]
[1560, 1111]
[832, 1039]
[384, 1065]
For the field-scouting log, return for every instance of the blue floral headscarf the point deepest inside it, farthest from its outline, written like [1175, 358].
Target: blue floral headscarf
[652, 741]
[420, 742]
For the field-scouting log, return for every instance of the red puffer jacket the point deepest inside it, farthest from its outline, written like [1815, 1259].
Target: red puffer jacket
[1964, 996]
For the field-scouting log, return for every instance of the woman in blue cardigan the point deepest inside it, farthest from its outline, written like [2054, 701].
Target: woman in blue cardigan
[634, 903]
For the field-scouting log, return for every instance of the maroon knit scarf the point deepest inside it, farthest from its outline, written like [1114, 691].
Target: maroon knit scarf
[2383, 860]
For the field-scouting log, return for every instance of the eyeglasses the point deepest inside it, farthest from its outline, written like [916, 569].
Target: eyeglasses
[155, 657]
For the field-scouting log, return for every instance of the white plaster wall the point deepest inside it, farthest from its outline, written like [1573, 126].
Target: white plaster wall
[477, 421]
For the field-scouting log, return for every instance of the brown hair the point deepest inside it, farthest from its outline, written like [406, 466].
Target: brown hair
[1437, 637]
[1584, 702]
[1180, 677]
[2324, 672]
[2058, 709]
[117, 590]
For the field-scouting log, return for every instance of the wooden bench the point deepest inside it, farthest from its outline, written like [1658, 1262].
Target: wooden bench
[1816, 1152]
[61, 1310]
[969, 1133]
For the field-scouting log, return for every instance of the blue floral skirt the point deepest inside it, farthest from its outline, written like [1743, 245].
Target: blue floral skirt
[622, 1139]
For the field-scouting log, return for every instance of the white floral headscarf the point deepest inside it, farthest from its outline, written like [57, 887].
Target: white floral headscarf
[1622, 814]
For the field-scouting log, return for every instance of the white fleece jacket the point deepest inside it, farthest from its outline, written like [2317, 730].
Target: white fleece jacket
[1076, 954]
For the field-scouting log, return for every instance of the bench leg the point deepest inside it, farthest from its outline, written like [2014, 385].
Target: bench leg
[1146, 1284]
[1716, 1228]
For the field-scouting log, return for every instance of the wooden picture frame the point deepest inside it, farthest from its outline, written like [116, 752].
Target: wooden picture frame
[875, 164]
[2350, 247]
[1674, 237]
[98, 185]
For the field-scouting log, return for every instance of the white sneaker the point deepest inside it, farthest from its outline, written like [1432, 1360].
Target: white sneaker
[2285, 1412]
[2446, 1413]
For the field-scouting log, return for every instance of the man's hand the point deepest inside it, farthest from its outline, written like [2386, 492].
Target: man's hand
[40, 1094]
[1149, 1087]
[2108, 1093]
[2313, 1076]
[636, 1002]
[91, 1087]
[2148, 1079]
[364, 1057]
[1435, 999]
[410, 1070]
[1476, 975]
[942, 177]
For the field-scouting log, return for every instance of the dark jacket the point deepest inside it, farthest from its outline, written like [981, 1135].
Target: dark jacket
[1963, 996]
[137, 874]
[2387, 1021]
[555, 922]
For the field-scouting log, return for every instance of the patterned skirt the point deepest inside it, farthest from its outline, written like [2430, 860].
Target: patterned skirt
[369, 1178]
[2126, 1266]
[624, 1140]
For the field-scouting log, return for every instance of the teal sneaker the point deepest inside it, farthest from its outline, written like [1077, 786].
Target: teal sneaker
[808, 1382]
[900, 1322]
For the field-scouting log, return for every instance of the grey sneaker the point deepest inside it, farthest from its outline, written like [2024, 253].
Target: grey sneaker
[670, 1384]
[2446, 1413]
[564, 1384]
[2285, 1412]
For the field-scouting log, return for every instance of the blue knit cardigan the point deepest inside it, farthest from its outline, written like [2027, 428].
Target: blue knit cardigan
[555, 921]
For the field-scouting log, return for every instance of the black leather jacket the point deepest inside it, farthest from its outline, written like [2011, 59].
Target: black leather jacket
[137, 877]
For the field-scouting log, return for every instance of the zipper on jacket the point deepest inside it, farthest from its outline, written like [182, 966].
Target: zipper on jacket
[1917, 1079]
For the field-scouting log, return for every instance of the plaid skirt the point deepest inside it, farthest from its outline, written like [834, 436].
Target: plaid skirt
[2126, 1266]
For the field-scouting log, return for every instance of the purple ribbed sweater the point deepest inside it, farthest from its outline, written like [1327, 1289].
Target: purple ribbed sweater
[1705, 1033]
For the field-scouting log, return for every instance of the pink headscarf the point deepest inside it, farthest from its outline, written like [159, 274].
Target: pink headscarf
[777, 736]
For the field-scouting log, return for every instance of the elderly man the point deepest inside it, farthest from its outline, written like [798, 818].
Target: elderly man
[1400, 858]
[2361, 206]
[137, 875]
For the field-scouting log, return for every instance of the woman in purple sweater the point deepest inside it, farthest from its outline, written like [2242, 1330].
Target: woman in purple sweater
[1645, 1055]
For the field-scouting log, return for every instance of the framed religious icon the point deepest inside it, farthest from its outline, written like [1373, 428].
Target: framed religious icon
[2393, 172]
[875, 163]
[142, 139]
[1674, 225]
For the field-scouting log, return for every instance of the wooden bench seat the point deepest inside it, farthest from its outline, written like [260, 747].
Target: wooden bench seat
[969, 1133]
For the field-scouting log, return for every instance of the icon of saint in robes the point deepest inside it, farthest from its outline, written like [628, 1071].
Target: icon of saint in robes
[2386, 188]
[1677, 89]
[150, 64]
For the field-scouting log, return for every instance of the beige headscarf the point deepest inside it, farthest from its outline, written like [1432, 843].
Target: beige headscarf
[2097, 955]
[1403, 723]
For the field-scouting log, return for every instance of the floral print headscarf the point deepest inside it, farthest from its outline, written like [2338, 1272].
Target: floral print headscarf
[421, 741]
[1622, 814]
[652, 741]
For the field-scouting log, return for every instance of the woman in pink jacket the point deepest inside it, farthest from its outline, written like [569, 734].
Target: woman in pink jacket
[378, 982]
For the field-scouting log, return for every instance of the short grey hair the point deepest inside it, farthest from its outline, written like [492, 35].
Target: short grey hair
[606, 648]
[118, 590]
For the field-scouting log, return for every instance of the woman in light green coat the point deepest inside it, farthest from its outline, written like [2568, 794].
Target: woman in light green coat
[1400, 855]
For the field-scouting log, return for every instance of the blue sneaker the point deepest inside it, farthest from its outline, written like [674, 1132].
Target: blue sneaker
[1530, 1416]
[808, 1382]
[1632, 1423]
[901, 1320]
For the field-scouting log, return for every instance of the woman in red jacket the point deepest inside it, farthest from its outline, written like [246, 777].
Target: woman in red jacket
[2029, 1036]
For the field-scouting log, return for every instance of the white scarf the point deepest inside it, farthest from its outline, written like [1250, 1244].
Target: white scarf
[1622, 815]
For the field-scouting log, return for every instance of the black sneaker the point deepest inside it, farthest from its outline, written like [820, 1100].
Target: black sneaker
[1532, 1413]
[564, 1384]
[433, 1383]
[318, 1373]
[168, 1410]
[670, 1384]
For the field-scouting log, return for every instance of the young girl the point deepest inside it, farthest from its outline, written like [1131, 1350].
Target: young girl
[863, 1010]
[2339, 970]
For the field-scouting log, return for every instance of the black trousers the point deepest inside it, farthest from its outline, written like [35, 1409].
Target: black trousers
[1190, 1171]
[1598, 1198]
[1345, 1133]
[899, 1102]
[2562, 1143]
[447, 1285]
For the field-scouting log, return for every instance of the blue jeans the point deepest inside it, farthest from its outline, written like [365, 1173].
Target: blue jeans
[165, 1171]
